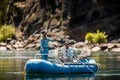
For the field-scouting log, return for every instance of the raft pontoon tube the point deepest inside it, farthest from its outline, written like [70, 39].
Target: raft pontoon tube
[40, 66]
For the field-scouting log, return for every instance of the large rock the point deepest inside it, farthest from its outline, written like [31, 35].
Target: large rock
[95, 49]
[90, 15]
[71, 17]
[3, 44]
[115, 50]
[18, 45]
[9, 47]
[79, 45]
[111, 45]
[81, 16]
[3, 48]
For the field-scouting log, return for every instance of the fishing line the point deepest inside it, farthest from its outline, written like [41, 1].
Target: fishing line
[109, 6]
[104, 20]
[96, 9]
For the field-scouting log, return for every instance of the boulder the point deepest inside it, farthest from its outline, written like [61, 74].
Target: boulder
[18, 45]
[3, 48]
[79, 45]
[9, 47]
[115, 50]
[111, 45]
[95, 49]
[3, 44]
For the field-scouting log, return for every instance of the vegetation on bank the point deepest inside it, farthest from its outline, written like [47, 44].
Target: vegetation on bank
[7, 31]
[98, 37]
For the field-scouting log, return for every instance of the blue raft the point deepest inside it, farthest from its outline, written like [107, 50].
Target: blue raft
[39, 66]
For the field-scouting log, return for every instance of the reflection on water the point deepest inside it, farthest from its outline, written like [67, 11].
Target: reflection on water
[61, 77]
[108, 77]
[12, 67]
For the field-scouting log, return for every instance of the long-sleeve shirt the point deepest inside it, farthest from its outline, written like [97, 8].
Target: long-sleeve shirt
[44, 43]
[67, 52]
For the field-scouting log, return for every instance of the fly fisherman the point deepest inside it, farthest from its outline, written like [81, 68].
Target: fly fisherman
[44, 46]
[67, 53]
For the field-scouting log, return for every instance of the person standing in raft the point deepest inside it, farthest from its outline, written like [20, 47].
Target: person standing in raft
[67, 53]
[44, 48]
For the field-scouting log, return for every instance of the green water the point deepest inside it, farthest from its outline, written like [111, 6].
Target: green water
[12, 67]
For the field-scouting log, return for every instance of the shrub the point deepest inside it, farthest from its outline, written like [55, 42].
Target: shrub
[6, 31]
[98, 37]
[89, 37]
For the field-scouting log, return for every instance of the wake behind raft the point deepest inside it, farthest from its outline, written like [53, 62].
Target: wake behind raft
[81, 66]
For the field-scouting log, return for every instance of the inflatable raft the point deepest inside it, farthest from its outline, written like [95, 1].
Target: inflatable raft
[39, 66]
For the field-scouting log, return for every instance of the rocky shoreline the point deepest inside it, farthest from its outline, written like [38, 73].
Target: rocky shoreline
[30, 17]
[32, 43]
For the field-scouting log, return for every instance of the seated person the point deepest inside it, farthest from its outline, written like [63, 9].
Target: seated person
[67, 53]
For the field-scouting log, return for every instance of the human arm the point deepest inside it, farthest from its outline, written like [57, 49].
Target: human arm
[52, 38]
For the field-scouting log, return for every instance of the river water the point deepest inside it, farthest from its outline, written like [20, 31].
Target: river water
[12, 67]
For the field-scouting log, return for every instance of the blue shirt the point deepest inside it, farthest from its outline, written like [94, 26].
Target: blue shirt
[43, 43]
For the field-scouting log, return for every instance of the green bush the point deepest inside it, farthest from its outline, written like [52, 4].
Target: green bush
[98, 37]
[89, 37]
[6, 31]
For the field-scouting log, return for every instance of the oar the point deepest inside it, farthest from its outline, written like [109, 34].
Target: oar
[85, 65]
